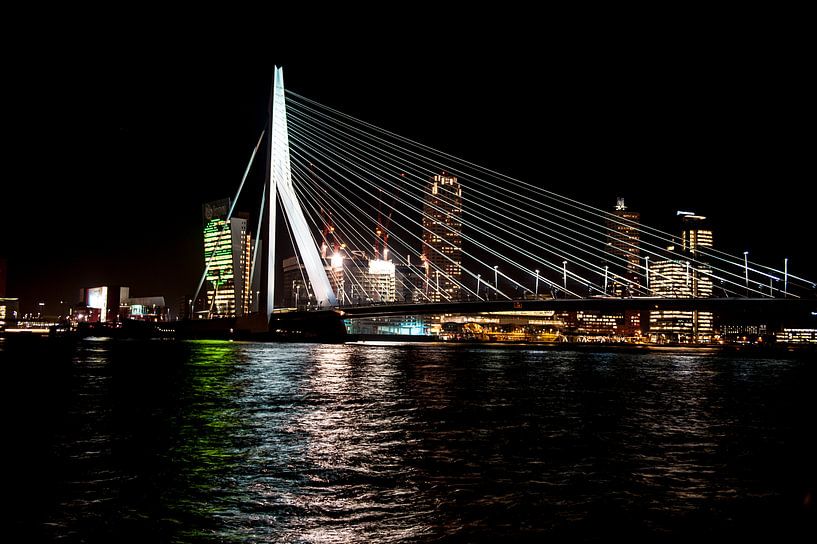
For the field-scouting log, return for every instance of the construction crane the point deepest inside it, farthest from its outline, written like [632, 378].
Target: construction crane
[381, 230]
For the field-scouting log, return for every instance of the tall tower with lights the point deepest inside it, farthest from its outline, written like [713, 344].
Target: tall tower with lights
[227, 249]
[623, 240]
[442, 238]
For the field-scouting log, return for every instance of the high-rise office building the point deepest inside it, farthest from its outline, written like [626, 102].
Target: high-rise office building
[623, 245]
[696, 233]
[686, 276]
[442, 238]
[696, 236]
[228, 250]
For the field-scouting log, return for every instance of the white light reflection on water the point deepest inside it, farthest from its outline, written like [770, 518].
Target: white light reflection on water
[331, 461]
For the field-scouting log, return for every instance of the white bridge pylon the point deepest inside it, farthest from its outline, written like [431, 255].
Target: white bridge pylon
[281, 184]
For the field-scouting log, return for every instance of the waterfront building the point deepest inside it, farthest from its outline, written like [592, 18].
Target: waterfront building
[100, 304]
[145, 309]
[797, 336]
[228, 250]
[686, 276]
[743, 331]
[398, 325]
[442, 238]
[623, 239]
[598, 324]
[9, 308]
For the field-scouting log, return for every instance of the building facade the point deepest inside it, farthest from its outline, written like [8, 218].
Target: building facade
[227, 255]
[442, 238]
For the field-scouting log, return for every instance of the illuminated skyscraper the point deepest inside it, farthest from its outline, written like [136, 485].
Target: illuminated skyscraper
[687, 276]
[442, 238]
[623, 244]
[227, 248]
[695, 233]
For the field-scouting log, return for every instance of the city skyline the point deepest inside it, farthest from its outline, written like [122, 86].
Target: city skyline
[141, 163]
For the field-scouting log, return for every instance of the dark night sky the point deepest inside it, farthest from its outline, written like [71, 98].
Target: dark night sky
[116, 142]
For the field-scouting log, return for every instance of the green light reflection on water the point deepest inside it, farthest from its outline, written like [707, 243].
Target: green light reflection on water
[205, 452]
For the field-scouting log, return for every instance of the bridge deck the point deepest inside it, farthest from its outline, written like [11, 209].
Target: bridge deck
[796, 308]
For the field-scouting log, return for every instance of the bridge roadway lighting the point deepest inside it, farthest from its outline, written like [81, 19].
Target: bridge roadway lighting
[537, 283]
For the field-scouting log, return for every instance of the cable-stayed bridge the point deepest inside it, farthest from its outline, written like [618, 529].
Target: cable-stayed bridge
[384, 225]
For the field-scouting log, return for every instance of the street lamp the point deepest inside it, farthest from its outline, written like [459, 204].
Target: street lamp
[786, 277]
[537, 283]
[746, 269]
[496, 277]
[478, 277]
[647, 272]
[564, 274]
[605, 280]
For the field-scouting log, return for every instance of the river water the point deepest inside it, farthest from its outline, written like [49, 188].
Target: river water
[158, 441]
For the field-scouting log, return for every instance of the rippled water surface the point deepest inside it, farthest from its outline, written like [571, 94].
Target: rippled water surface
[221, 442]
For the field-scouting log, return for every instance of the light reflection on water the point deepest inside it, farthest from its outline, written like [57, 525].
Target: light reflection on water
[222, 441]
